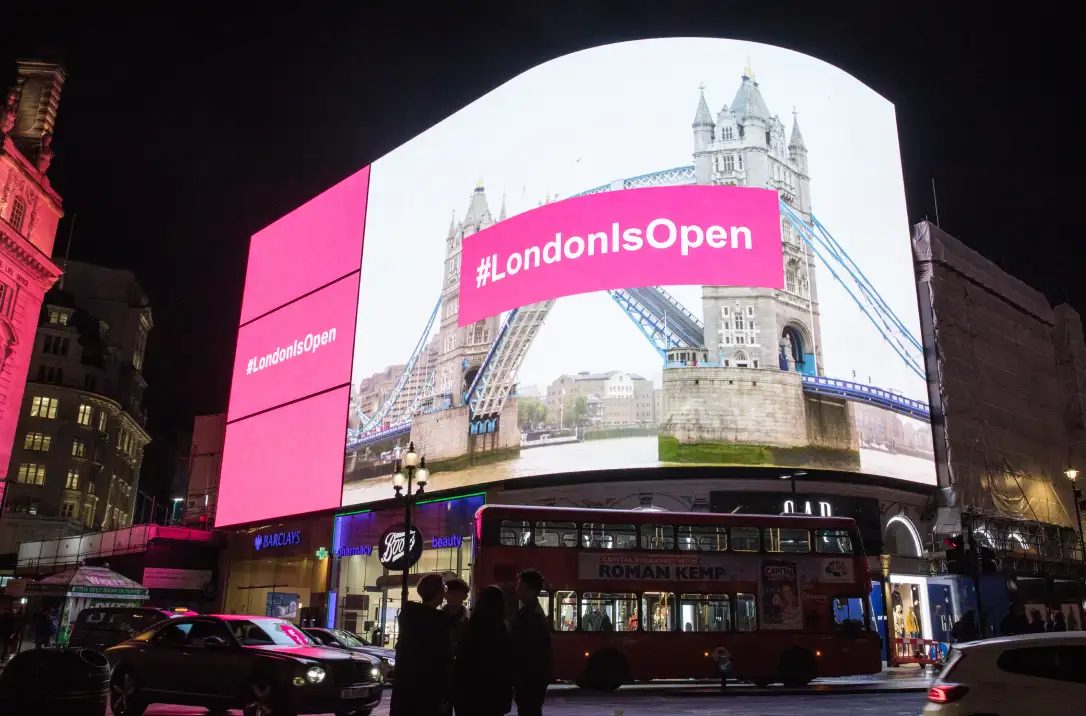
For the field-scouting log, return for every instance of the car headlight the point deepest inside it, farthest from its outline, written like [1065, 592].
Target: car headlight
[389, 661]
[375, 674]
[315, 675]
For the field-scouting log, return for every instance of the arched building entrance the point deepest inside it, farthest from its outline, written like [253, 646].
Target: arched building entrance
[795, 352]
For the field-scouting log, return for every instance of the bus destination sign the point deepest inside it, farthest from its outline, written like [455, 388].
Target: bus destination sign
[666, 568]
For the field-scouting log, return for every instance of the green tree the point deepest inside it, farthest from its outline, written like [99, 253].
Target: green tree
[530, 412]
[576, 410]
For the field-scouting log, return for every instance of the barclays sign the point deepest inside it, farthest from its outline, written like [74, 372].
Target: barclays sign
[277, 539]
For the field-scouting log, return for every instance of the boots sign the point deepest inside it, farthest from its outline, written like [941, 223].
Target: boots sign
[396, 552]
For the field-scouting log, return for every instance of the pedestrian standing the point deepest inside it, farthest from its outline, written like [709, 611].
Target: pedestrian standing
[7, 633]
[424, 657]
[531, 641]
[45, 628]
[484, 663]
[1015, 622]
[456, 593]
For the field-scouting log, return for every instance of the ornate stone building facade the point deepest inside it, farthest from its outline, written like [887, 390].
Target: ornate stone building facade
[461, 350]
[29, 212]
[746, 145]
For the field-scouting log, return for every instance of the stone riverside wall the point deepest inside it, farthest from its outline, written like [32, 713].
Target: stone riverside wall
[445, 440]
[753, 416]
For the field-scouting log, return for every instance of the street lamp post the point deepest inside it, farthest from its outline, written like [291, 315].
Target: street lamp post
[1072, 473]
[411, 469]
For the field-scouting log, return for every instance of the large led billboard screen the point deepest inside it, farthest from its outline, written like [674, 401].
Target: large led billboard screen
[662, 252]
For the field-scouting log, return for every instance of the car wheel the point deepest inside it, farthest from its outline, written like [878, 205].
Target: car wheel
[262, 699]
[125, 698]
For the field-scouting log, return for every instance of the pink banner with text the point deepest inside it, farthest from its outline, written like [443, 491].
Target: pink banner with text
[686, 235]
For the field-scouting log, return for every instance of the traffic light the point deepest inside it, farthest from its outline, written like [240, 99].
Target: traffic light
[956, 561]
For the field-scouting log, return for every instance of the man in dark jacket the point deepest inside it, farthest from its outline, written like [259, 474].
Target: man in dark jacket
[1015, 622]
[531, 637]
[424, 658]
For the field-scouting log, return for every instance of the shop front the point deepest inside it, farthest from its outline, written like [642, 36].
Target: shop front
[365, 597]
[280, 569]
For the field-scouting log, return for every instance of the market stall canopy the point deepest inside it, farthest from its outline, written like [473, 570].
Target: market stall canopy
[87, 583]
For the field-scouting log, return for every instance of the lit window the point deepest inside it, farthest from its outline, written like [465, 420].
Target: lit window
[37, 441]
[41, 407]
[88, 515]
[67, 509]
[86, 412]
[79, 448]
[31, 473]
[72, 483]
[18, 213]
[103, 421]
[59, 316]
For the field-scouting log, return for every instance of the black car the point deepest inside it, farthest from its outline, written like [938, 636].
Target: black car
[264, 666]
[343, 639]
[99, 628]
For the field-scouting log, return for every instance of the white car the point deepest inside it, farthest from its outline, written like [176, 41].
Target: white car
[1042, 674]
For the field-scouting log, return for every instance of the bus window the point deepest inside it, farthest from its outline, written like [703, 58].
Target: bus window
[657, 537]
[599, 536]
[608, 612]
[565, 611]
[703, 539]
[516, 533]
[658, 611]
[746, 618]
[555, 534]
[833, 542]
[746, 539]
[706, 612]
[848, 614]
[787, 539]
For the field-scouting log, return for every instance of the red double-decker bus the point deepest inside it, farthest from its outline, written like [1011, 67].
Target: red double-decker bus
[641, 595]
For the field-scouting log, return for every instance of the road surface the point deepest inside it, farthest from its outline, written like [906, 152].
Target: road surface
[655, 703]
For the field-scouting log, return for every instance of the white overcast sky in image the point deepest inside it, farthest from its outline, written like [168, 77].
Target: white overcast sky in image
[615, 112]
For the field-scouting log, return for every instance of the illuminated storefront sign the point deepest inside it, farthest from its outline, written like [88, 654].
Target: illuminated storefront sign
[277, 539]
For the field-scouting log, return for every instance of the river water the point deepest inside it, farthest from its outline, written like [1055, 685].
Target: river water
[610, 454]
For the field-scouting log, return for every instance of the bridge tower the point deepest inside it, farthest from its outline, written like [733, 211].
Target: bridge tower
[460, 351]
[746, 145]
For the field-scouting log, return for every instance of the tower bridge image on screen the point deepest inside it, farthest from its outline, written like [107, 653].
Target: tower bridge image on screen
[743, 376]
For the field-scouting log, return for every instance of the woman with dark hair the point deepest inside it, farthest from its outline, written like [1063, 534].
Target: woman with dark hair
[484, 662]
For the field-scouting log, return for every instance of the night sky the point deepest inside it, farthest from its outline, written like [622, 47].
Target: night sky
[182, 133]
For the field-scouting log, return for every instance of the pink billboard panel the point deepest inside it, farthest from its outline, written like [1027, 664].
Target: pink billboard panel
[308, 248]
[685, 235]
[301, 349]
[284, 462]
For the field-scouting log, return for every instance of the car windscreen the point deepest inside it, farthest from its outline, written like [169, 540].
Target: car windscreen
[348, 639]
[268, 632]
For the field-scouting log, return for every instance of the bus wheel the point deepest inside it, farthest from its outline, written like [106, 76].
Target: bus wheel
[797, 668]
[605, 671]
